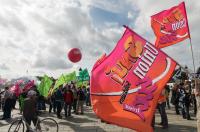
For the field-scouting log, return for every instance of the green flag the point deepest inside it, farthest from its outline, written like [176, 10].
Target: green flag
[65, 79]
[83, 75]
[44, 86]
[70, 77]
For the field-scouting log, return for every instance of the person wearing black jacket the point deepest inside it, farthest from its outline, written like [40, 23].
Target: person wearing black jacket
[59, 99]
[187, 89]
[175, 98]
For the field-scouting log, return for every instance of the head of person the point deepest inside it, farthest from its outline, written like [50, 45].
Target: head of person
[34, 87]
[6, 88]
[31, 94]
[83, 87]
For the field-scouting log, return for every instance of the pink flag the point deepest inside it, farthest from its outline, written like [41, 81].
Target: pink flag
[170, 26]
[16, 89]
[126, 84]
[29, 85]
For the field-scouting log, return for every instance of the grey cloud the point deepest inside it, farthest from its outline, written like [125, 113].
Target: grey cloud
[70, 34]
[52, 28]
[13, 21]
[51, 62]
[11, 44]
[56, 63]
[4, 67]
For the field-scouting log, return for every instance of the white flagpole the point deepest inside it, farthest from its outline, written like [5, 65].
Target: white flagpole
[192, 54]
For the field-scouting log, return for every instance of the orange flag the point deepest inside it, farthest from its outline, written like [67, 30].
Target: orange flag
[170, 26]
[126, 84]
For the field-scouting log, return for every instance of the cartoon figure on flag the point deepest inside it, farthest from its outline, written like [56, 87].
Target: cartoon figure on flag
[170, 26]
[126, 85]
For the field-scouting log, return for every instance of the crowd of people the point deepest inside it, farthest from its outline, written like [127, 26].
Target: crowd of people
[184, 95]
[67, 97]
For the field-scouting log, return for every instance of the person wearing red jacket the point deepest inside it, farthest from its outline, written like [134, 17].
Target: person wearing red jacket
[68, 98]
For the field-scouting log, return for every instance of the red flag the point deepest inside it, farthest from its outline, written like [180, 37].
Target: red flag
[126, 84]
[170, 26]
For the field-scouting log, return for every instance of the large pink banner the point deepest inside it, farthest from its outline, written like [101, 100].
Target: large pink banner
[126, 84]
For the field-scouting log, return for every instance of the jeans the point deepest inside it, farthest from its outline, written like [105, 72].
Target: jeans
[161, 109]
[80, 105]
[52, 105]
[68, 107]
[59, 108]
[74, 105]
[7, 109]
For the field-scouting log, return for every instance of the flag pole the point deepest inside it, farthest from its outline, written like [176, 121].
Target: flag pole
[192, 54]
[189, 37]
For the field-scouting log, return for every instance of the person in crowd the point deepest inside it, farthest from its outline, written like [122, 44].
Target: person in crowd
[14, 100]
[29, 109]
[68, 98]
[88, 102]
[74, 91]
[7, 104]
[59, 101]
[52, 104]
[161, 108]
[80, 100]
[175, 97]
[187, 88]
[167, 92]
[193, 99]
[182, 99]
[41, 102]
[51, 99]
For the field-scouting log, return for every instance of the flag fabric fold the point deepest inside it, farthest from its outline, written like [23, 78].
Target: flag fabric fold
[170, 26]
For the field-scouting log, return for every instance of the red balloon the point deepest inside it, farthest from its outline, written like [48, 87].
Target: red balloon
[74, 55]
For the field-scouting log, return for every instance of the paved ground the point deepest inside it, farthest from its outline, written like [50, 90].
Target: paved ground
[89, 123]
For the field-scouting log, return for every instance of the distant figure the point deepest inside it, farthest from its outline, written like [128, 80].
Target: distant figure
[68, 98]
[59, 101]
[81, 100]
[197, 94]
[74, 90]
[187, 101]
[167, 92]
[88, 101]
[52, 103]
[29, 109]
[175, 97]
[193, 98]
[161, 108]
[51, 99]
[7, 104]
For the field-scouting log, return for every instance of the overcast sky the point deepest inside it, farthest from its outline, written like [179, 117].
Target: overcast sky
[35, 35]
